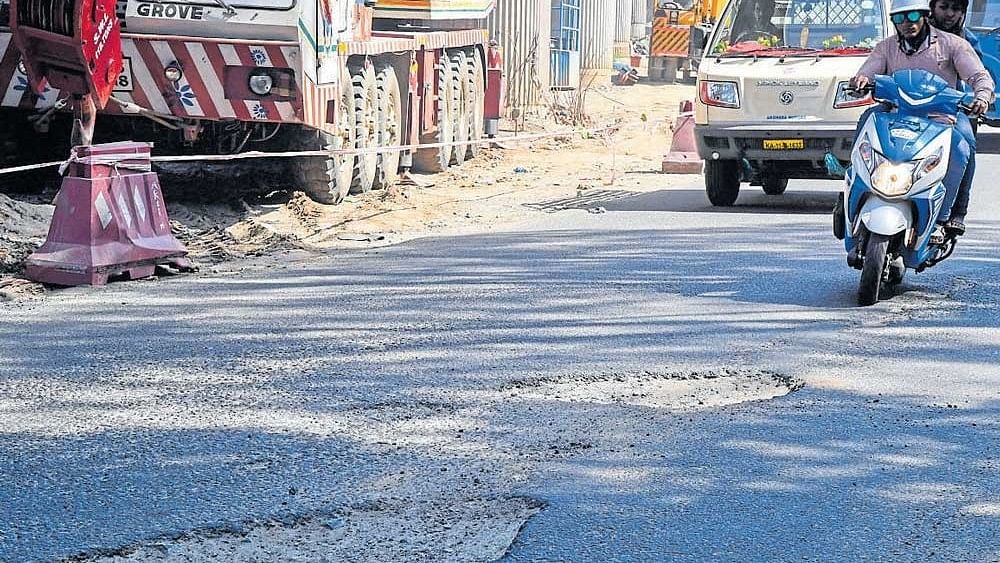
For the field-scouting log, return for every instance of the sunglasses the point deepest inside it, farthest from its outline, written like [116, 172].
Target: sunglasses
[912, 17]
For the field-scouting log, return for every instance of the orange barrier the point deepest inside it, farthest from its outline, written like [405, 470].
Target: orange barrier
[683, 155]
[109, 220]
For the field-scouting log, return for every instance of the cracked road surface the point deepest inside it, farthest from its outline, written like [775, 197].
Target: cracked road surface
[659, 381]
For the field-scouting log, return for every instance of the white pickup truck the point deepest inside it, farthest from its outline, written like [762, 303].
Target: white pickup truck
[771, 103]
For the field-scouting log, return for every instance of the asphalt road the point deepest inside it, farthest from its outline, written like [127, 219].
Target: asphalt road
[151, 409]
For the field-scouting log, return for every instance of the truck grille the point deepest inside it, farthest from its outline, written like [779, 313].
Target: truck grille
[717, 142]
[55, 16]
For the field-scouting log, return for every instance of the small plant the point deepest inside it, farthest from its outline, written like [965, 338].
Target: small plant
[768, 41]
[722, 46]
[835, 42]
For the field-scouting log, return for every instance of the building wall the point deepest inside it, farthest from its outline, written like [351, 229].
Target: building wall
[597, 33]
[522, 29]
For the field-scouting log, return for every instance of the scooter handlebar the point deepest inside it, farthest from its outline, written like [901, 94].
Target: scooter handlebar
[859, 92]
[963, 107]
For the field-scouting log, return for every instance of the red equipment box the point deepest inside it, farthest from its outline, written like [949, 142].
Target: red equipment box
[73, 44]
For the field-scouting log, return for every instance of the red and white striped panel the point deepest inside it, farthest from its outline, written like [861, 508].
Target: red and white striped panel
[200, 93]
[14, 87]
[314, 103]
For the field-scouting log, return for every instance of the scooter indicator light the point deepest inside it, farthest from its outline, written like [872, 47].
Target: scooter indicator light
[931, 162]
[865, 148]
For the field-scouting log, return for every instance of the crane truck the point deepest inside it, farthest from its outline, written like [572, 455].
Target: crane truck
[679, 31]
[220, 77]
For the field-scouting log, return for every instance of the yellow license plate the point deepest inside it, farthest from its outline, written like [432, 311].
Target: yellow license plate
[784, 144]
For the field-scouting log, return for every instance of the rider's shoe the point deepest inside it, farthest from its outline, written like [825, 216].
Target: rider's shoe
[955, 226]
[937, 235]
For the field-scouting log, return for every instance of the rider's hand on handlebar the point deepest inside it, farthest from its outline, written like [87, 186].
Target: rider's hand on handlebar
[859, 82]
[978, 107]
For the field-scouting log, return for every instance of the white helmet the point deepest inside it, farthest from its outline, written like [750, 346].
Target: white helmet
[909, 5]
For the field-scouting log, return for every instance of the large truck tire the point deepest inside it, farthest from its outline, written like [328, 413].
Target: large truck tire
[366, 126]
[461, 116]
[327, 179]
[478, 89]
[437, 159]
[722, 182]
[390, 126]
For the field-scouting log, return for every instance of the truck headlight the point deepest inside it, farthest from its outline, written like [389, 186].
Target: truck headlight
[893, 180]
[720, 94]
[173, 73]
[261, 84]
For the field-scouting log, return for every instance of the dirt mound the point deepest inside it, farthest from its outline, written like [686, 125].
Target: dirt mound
[23, 227]
[216, 233]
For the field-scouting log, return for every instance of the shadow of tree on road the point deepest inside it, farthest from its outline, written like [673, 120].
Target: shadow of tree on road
[123, 421]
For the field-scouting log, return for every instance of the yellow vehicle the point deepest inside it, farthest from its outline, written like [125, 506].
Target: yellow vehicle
[678, 34]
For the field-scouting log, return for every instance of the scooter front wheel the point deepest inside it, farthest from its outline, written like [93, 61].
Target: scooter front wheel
[873, 269]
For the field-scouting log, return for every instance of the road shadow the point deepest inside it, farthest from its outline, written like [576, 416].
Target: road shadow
[201, 398]
[988, 141]
[880, 477]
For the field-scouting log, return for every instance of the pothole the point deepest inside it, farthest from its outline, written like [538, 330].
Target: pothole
[667, 390]
[475, 529]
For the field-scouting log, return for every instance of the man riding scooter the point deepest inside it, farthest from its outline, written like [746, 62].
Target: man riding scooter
[918, 45]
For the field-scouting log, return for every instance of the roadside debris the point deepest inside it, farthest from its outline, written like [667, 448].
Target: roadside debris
[230, 213]
[15, 289]
[361, 237]
[23, 226]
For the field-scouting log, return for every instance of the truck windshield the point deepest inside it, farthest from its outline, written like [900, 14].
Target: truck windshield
[799, 27]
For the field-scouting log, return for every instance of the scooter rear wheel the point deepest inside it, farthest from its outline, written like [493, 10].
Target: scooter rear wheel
[873, 269]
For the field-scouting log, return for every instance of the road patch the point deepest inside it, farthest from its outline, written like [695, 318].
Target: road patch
[661, 389]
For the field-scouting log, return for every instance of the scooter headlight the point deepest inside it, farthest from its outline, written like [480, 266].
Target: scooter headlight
[893, 180]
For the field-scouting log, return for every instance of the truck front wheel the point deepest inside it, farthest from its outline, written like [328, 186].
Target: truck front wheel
[722, 182]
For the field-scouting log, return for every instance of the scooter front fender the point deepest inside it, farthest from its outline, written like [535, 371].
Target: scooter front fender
[885, 217]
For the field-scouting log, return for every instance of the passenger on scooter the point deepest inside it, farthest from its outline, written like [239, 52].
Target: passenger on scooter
[918, 45]
[949, 16]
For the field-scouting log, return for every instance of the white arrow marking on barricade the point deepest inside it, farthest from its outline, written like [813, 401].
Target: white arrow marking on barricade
[123, 209]
[140, 207]
[103, 210]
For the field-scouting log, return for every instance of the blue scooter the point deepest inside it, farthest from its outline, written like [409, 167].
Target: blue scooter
[894, 190]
